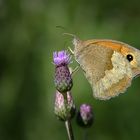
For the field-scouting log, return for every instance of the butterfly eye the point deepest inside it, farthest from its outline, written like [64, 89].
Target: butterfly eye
[129, 57]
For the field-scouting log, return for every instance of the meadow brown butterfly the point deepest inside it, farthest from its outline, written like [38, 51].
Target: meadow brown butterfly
[109, 65]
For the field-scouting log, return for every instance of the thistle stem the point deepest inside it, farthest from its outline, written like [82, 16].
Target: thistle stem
[69, 130]
[68, 122]
[85, 137]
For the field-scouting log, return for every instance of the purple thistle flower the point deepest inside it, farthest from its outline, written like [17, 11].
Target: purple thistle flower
[85, 116]
[61, 57]
[64, 108]
[63, 80]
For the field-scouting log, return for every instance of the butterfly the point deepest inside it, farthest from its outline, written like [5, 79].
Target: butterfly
[108, 65]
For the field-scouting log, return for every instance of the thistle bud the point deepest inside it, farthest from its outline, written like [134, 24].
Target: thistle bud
[85, 116]
[64, 107]
[63, 81]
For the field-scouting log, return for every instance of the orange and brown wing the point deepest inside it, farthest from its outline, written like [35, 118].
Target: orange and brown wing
[96, 59]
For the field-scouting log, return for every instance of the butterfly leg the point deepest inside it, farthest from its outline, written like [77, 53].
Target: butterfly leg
[71, 51]
[75, 70]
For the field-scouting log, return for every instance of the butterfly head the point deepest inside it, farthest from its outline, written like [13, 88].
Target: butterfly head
[133, 57]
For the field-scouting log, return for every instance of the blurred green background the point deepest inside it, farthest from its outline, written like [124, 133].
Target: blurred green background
[28, 37]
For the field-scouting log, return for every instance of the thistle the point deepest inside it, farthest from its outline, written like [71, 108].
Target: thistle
[64, 108]
[85, 116]
[63, 81]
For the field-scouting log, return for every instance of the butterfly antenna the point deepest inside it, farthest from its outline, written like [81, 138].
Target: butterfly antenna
[69, 34]
[76, 40]
[61, 27]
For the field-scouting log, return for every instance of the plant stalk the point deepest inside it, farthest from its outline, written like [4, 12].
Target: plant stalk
[68, 121]
[69, 130]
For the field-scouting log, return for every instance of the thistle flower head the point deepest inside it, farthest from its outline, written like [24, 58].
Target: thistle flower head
[61, 57]
[85, 115]
[63, 81]
[64, 108]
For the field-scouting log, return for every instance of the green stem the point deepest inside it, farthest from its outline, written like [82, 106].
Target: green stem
[69, 130]
[85, 137]
[68, 122]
